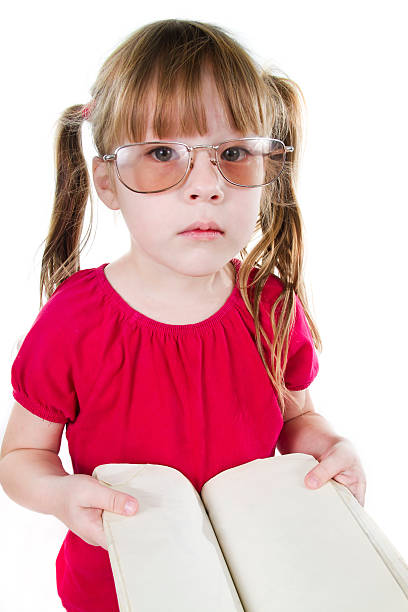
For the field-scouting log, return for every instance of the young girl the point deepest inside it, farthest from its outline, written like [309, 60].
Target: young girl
[178, 353]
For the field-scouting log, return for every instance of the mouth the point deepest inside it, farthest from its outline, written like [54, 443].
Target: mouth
[201, 231]
[203, 226]
[200, 234]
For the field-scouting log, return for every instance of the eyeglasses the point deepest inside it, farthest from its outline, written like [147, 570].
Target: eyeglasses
[150, 167]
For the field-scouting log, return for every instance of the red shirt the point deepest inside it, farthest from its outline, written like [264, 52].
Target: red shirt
[130, 389]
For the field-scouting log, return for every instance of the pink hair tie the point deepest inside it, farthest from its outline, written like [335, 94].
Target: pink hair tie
[87, 109]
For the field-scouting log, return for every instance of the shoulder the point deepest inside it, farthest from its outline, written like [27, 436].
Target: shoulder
[75, 291]
[61, 327]
[271, 291]
[272, 288]
[69, 306]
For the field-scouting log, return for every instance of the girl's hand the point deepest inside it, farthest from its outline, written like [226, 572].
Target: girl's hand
[341, 463]
[82, 500]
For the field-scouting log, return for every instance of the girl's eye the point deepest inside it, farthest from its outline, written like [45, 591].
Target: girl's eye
[162, 153]
[232, 154]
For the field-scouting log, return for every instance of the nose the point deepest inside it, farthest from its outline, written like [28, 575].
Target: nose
[203, 180]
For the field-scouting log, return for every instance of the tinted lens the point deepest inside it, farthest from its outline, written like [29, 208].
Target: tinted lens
[152, 166]
[252, 162]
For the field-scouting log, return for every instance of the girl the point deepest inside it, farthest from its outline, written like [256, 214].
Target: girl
[177, 353]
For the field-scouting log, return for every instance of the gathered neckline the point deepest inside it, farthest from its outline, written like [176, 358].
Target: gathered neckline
[139, 318]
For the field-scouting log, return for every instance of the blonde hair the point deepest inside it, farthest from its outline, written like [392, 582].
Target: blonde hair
[168, 57]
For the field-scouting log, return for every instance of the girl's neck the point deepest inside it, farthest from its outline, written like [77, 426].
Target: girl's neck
[176, 308]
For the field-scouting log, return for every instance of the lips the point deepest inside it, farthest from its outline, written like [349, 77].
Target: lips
[202, 225]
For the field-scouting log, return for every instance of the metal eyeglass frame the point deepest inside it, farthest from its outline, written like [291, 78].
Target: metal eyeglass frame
[215, 162]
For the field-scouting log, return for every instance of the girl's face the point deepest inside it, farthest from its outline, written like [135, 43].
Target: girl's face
[156, 220]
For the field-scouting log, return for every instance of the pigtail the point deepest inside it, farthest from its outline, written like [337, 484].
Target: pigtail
[61, 254]
[280, 248]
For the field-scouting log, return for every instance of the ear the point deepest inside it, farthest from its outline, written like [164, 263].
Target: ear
[103, 183]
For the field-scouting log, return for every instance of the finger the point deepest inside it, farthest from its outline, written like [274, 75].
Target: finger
[90, 523]
[360, 495]
[106, 498]
[323, 472]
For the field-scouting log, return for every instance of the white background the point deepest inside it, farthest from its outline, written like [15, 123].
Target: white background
[350, 61]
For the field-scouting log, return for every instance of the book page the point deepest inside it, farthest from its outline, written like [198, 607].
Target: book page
[166, 556]
[290, 548]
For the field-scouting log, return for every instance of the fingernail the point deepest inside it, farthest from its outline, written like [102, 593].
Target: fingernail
[130, 507]
[312, 480]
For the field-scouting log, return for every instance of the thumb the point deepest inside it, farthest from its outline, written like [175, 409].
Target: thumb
[312, 480]
[118, 502]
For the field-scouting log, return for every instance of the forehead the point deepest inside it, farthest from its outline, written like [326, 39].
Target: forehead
[218, 119]
[193, 107]
[218, 127]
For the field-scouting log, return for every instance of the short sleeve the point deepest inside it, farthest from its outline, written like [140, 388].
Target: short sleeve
[41, 374]
[302, 364]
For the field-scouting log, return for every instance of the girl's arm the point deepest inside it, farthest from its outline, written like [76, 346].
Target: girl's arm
[30, 477]
[31, 474]
[306, 431]
[30, 465]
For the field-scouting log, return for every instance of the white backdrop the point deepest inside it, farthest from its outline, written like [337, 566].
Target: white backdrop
[350, 62]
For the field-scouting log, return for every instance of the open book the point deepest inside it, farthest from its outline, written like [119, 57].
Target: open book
[256, 540]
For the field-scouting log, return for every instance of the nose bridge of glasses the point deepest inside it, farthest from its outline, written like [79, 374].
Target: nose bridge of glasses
[211, 151]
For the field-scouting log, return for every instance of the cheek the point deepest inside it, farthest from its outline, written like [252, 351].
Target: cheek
[246, 210]
[150, 221]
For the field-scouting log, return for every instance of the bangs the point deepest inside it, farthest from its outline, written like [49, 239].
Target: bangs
[167, 87]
